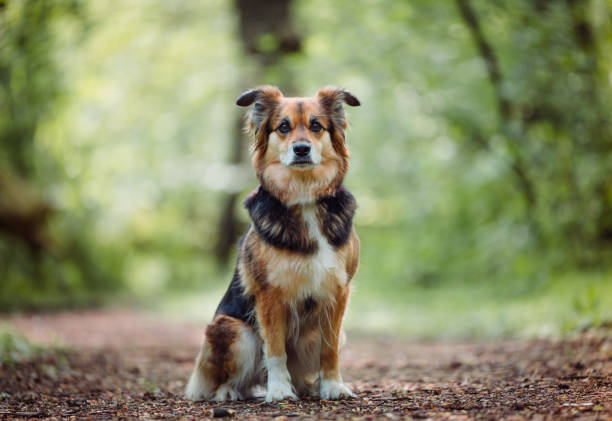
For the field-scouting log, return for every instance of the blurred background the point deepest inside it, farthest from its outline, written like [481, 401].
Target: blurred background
[481, 156]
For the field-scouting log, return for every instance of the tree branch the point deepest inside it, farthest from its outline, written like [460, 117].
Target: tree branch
[489, 57]
[505, 107]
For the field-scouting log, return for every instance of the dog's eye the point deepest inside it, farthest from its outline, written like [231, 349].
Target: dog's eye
[315, 126]
[284, 127]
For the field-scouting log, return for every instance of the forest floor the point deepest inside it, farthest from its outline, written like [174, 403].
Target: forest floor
[124, 365]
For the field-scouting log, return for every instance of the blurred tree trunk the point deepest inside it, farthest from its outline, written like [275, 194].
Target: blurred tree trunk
[595, 88]
[24, 212]
[267, 37]
[594, 137]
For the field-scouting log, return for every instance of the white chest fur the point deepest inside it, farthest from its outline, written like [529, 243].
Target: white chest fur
[313, 275]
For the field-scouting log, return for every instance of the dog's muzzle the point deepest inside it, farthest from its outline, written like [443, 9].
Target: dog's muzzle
[301, 154]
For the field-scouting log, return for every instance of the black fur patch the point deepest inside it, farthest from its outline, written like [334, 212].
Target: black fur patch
[281, 227]
[278, 225]
[235, 303]
[309, 305]
[336, 216]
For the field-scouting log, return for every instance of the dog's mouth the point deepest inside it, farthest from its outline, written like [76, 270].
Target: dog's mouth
[302, 163]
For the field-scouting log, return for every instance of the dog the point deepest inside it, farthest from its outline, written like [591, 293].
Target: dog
[280, 320]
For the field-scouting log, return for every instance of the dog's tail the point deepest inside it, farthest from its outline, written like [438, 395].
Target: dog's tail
[229, 364]
[200, 387]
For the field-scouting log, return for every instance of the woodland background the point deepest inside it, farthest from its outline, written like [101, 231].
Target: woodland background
[481, 156]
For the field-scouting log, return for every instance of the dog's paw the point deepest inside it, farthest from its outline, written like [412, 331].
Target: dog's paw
[226, 393]
[279, 391]
[194, 395]
[198, 389]
[334, 389]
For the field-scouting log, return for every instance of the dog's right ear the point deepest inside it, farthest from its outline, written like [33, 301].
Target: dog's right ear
[265, 98]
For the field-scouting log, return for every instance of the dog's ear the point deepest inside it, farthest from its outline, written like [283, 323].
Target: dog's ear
[265, 98]
[332, 99]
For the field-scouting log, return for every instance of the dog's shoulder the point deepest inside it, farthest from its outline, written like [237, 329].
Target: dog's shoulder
[336, 213]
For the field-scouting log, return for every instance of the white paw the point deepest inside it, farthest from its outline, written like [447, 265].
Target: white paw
[279, 391]
[334, 389]
[279, 380]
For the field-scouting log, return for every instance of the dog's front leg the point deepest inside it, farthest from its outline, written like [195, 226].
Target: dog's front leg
[272, 317]
[331, 386]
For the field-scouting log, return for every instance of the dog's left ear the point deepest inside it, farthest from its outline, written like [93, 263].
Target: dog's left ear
[333, 99]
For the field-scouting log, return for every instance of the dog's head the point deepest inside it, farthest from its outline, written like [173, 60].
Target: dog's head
[300, 152]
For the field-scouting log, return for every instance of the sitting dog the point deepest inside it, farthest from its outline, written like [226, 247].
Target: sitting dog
[281, 317]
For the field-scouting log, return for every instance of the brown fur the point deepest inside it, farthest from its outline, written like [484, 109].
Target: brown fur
[331, 335]
[272, 318]
[253, 265]
[351, 255]
[221, 335]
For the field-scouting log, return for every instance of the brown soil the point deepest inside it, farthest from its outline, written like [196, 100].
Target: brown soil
[123, 365]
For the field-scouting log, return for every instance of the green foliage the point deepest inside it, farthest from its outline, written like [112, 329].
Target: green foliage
[547, 307]
[473, 171]
[28, 74]
[590, 309]
[15, 348]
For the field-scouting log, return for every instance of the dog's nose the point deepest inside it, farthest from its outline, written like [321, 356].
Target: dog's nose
[301, 149]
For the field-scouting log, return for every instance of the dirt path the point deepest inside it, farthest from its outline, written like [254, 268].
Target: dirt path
[125, 365]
